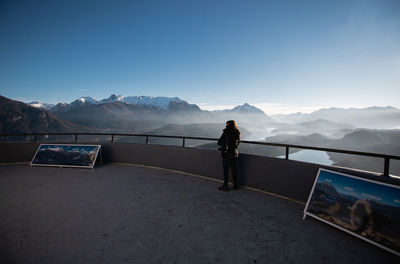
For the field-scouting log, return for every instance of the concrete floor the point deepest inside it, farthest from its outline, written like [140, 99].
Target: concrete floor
[130, 214]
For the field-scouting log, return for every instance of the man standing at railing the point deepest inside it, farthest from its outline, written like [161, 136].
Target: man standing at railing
[229, 142]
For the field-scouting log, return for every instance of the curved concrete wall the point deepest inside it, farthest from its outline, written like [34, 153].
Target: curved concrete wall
[289, 178]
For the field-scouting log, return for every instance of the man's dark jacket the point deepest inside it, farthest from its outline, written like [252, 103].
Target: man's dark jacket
[229, 142]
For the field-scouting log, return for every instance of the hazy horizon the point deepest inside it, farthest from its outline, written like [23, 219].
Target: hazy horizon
[267, 108]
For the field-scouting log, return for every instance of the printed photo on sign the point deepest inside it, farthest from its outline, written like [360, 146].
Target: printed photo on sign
[366, 208]
[66, 155]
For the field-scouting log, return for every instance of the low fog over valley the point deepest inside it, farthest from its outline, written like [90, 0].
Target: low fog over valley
[374, 129]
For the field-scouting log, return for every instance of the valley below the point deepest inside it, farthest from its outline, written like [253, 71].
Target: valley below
[373, 130]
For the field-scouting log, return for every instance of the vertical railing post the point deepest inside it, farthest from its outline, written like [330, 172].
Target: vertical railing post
[76, 137]
[147, 139]
[35, 138]
[386, 167]
[183, 142]
[112, 138]
[287, 153]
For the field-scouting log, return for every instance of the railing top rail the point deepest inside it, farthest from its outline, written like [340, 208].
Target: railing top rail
[359, 153]
[343, 151]
[105, 134]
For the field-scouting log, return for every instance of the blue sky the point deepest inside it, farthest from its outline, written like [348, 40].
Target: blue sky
[281, 56]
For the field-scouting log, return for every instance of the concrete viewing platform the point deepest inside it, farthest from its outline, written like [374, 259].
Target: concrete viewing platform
[124, 213]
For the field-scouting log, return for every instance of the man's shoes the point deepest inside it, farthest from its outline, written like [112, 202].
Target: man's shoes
[224, 188]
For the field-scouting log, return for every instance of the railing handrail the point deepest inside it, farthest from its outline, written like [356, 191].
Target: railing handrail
[343, 151]
[386, 157]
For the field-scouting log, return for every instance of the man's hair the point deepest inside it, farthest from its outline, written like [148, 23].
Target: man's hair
[231, 124]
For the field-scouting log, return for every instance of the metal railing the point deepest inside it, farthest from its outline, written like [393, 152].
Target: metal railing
[287, 147]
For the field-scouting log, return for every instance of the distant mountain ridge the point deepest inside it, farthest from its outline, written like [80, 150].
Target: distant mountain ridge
[147, 113]
[144, 113]
[18, 117]
[181, 118]
[41, 105]
[133, 114]
[172, 116]
[158, 102]
[371, 117]
[321, 126]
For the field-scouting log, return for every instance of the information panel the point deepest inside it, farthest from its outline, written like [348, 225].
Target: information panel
[66, 155]
[365, 208]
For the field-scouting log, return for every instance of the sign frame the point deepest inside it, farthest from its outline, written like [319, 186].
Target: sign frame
[343, 228]
[98, 151]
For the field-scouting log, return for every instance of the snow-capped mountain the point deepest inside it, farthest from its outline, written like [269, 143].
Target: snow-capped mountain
[157, 101]
[88, 99]
[171, 109]
[91, 100]
[41, 105]
[112, 98]
[82, 101]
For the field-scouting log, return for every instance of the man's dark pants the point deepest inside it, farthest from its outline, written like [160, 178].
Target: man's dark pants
[228, 162]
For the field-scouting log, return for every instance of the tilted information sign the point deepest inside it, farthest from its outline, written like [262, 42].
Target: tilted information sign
[367, 209]
[66, 155]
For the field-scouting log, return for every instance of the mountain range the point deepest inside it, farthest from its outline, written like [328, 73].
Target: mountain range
[160, 103]
[133, 114]
[18, 117]
[140, 114]
[332, 128]
[372, 117]
[144, 114]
